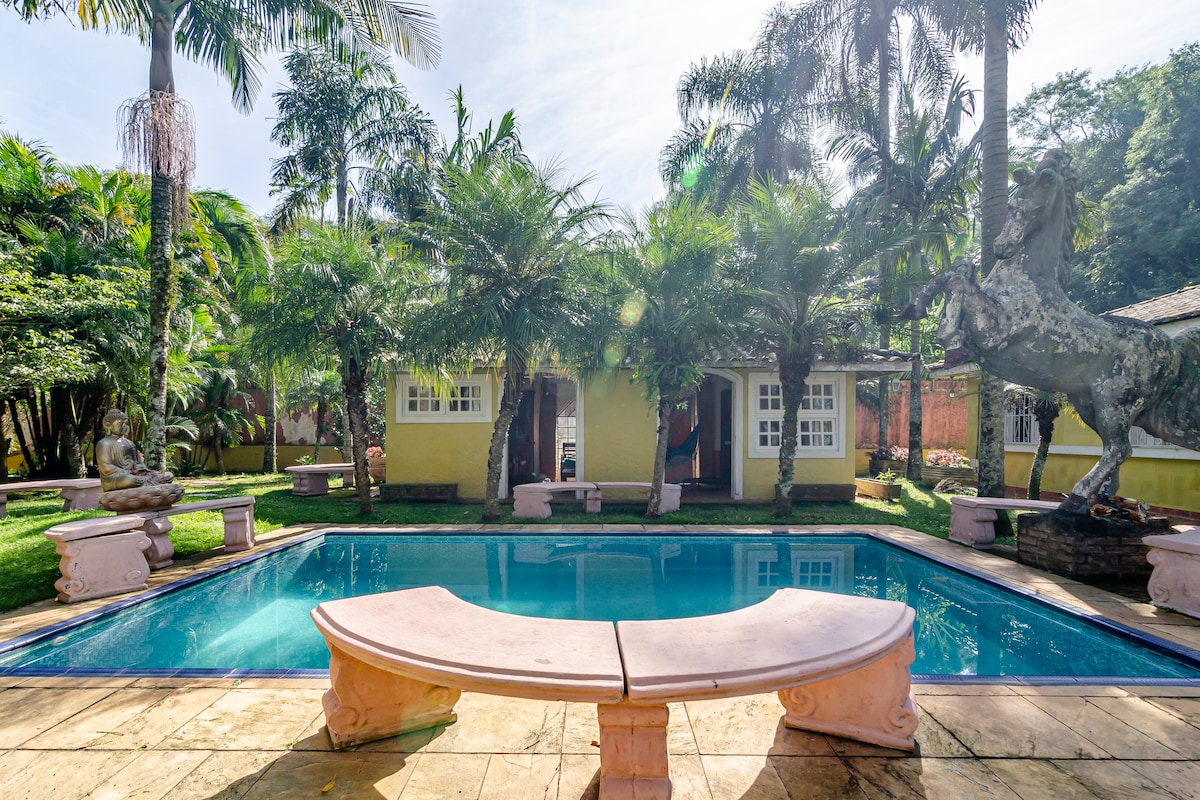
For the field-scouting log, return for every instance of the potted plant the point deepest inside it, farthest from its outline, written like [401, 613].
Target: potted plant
[884, 486]
[943, 465]
[888, 459]
[377, 464]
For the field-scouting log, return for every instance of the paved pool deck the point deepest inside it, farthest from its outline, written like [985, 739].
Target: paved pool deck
[111, 738]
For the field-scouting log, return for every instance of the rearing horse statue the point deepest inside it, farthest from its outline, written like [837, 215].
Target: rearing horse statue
[1021, 326]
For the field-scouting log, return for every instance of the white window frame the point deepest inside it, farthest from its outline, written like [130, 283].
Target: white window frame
[773, 417]
[1020, 426]
[757, 559]
[444, 407]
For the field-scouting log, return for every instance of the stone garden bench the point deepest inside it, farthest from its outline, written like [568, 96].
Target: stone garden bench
[400, 660]
[309, 480]
[972, 518]
[1175, 582]
[78, 494]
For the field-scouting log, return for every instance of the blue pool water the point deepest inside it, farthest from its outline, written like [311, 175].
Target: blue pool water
[254, 616]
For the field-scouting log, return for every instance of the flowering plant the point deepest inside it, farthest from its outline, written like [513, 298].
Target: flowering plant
[893, 453]
[374, 452]
[947, 458]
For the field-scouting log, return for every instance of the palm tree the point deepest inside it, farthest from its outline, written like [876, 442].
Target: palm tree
[793, 257]
[746, 116]
[868, 35]
[677, 306]
[339, 296]
[340, 114]
[1046, 407]
[508, 236]
[317, 392]
[991, 27]
[158, 126]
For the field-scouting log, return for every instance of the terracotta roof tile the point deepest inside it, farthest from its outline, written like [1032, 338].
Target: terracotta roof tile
[1183, 304]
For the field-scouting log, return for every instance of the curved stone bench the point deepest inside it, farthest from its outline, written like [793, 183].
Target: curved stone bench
[399, 661]
[78, 494]
[972, 518]
[100, 556]
[309, 480]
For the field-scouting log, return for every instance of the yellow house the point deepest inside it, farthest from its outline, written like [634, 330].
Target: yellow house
[726, 442]
[1161, 474]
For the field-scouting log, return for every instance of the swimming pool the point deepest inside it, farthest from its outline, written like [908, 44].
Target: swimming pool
[252, 617]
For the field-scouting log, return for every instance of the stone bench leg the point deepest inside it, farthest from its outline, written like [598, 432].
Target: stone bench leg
[366, 703]
[103, 565]
[872, 704]
[633, 752]
[670, 498]
[348, 479]
[1175, 582]
[80, 499]
[591, 501]
[160, 551]
[3, 506]
[239, 528]
[531, 505]
[973, 526]
[309, 484]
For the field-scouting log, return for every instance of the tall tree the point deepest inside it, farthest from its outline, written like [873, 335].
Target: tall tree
[158, 126]
[874, 37]
[676, 311]
[508, 236]
[340, 295]
[800, 306]
[340, 114]
[746, 116]
[991, 27]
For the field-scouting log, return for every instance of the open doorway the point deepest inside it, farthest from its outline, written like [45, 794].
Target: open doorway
[542, 439]
[700, 448]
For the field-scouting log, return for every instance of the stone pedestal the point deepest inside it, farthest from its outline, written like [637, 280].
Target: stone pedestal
[633, 752]
[1175, 583]
[1081, 546]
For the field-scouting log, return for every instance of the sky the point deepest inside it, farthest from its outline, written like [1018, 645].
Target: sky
[592, 82]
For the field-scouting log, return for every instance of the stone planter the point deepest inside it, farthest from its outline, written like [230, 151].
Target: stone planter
[883, 490]
[377, 467]
[931, 476]
[878, 465]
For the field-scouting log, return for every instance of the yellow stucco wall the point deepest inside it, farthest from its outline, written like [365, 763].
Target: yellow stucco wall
[438, 452]
[249, 458]
[1163, 482]
[618, 430]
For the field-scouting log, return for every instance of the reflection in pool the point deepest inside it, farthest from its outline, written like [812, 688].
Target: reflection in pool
[255, 615]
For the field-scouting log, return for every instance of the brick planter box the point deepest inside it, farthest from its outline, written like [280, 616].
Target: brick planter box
[932, 476]
[1078, 546]
[878, 465]
[419, 492]
[882, 490]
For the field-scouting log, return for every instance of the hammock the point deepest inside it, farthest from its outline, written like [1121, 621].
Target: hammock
[685, 449]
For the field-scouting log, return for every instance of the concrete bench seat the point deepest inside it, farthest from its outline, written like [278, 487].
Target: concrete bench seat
[1175, 582]
[309, 480]
[400, 660]
[972, 518]
[78, 494]
[670, 494]
[237, 513]
[532, 500]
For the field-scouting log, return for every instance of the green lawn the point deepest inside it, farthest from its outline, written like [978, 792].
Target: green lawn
[29, 565]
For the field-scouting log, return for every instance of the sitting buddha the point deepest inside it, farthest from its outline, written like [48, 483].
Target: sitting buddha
[119, 462]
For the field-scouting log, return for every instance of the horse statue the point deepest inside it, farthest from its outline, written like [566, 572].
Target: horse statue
[1020, 325]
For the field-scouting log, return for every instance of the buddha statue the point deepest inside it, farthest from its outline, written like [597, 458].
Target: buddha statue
[119, 462]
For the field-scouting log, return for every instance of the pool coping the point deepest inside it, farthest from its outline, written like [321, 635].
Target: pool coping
[1171, 632]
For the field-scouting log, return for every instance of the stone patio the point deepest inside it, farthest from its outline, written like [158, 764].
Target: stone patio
[260, 738]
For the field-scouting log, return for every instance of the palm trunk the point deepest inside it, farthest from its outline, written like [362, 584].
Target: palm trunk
[354, 391]
[509, 401]
[883, 108]
[343, 191]
[995, 203]
[1045, 421]
[270, 438]
[916, 455]
[665, 409]
[791, 383]
[159, 253]
[218, 453]
[322, 410]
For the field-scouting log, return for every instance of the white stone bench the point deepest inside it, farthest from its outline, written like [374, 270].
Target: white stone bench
[78, 494]
[309, 480]
[236, 512]
[670, 494]
[1175, 582]
[532, 500]
[100, 556]
[400, 660]
[972, 518]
